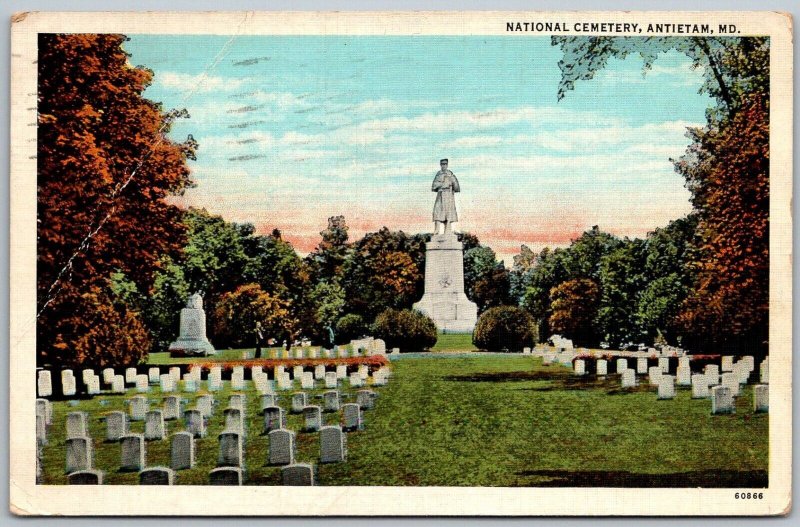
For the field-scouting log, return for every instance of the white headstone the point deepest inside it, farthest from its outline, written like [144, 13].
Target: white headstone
[86, 477]
[154, 428]
[234, 420]
[274, 418]
[761, 398]
[341, 371]
[157, 476]
[195, 423]
[45, 409]
[684, 374]
[139, 406]
[663, 363]
[319, 372]
[154, 375]
[77, 425]
[666, 387]
[142, 383]
[237, 400]
[79, 454]
[281, 447]
[366, 399]
[331, 401]
[602, 367]
[330, 379]
[299, 401]
[307, 380]
[622, 365]
[641, 365]
[332, 444]
[182, 452]
[130, 375]
[44, 384]
[628, 378]
[764, 372]
[700, 386]
[231, 449]
[108, 375]
[727, 363]
[580, 367]
[654, 374]
[731, 380]
[351, 417]
[116, 426]
[298, 475]
[118, 384]
[172, 407]
[68, 384]
[205, 405]
[722, 400]
[133, 453]
[312, 417]
[355, 380]
[267, 400]
[226, 476]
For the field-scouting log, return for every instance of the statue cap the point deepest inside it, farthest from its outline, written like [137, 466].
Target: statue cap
[443, 161]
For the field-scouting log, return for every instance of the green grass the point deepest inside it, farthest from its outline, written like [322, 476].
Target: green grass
[487, 420]
[454, 342]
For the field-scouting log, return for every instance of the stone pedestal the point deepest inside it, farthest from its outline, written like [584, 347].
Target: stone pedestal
[192, 339]
[444, 299]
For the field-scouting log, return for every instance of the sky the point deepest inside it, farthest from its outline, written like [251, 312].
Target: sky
[294, 129]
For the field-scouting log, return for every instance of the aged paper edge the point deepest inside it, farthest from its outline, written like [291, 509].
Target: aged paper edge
[26, 498]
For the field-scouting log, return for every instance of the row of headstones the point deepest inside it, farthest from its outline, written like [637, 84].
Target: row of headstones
[742, 368]
[282, 447]
[297, 474]
[169, 382]
[155, 429]
[722, 388]
[368, 346]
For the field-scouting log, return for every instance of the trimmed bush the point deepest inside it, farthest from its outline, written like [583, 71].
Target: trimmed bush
[504, 328]
[349, 327]
[405, 329]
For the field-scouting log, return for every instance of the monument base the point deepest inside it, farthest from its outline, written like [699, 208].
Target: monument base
[452, 312]
[191, 347]
[444, 299]
[192, 339]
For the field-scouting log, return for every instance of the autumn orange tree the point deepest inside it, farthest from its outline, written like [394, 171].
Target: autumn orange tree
[574, 304]
[729, 170]
[104, 167]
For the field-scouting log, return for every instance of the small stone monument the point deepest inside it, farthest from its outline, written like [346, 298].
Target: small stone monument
[192, 338]
[444, 299]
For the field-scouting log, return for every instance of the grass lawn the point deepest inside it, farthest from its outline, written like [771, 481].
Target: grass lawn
[454, 342]
[484, 420]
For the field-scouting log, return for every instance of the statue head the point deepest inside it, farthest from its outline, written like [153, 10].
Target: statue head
[443, 164]
[195, 301]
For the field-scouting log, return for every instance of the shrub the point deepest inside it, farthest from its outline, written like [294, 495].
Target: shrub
[405, 329]
[350, 327]
[506, 328]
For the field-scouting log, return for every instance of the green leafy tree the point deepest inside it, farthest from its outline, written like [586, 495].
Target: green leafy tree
[328, 258]
[405, 329]
[505, 328]
[622, 280]
[486, 281]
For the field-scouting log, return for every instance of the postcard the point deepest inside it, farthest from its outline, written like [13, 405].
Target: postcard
[416, 263]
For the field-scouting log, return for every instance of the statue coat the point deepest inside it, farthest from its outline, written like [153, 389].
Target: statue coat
[445, 185]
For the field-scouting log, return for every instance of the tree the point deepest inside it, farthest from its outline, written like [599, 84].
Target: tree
[329, 256]
[729, 170]
[505, 328]
[574, 305]
[622, 280]
[486, 281]
[383, 270]
[405, 329]
[519, 277]
[104, 167]
[238, 312]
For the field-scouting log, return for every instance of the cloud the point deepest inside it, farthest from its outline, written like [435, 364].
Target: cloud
[196, 83]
